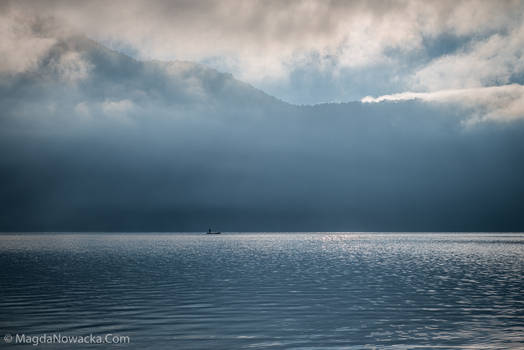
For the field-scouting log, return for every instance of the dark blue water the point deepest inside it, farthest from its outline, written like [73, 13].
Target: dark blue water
[278, 291]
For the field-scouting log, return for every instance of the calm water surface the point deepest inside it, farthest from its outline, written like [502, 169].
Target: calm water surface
[266, 290]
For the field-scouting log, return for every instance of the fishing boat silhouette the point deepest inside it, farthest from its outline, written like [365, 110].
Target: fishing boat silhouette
[209, 232]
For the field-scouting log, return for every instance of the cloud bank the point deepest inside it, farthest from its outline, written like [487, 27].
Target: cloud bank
[301, 51]
[497, 103]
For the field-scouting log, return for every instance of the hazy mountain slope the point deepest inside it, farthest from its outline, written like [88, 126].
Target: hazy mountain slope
[94, 140]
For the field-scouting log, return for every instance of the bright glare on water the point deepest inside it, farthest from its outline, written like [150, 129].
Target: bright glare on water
[267, 290]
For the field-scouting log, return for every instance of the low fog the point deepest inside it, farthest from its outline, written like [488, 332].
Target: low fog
[93, 140]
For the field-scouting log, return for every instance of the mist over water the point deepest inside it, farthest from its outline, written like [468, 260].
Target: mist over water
[267, 290]
[171, 146]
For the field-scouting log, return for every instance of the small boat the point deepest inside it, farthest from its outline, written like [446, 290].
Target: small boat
[209, 232]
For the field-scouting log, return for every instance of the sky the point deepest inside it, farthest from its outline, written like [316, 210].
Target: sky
[261, 115]
[303, 52]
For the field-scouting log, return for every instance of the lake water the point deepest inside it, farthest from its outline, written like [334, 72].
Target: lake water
[266, 290]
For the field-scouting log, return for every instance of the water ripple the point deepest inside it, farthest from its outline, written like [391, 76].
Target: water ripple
[278, 291]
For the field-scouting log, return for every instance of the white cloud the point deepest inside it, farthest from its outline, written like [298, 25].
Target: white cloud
[20, 47]
[28, 36]
[267, 39]
[492, 61]
[496, 103]
[117, 107]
